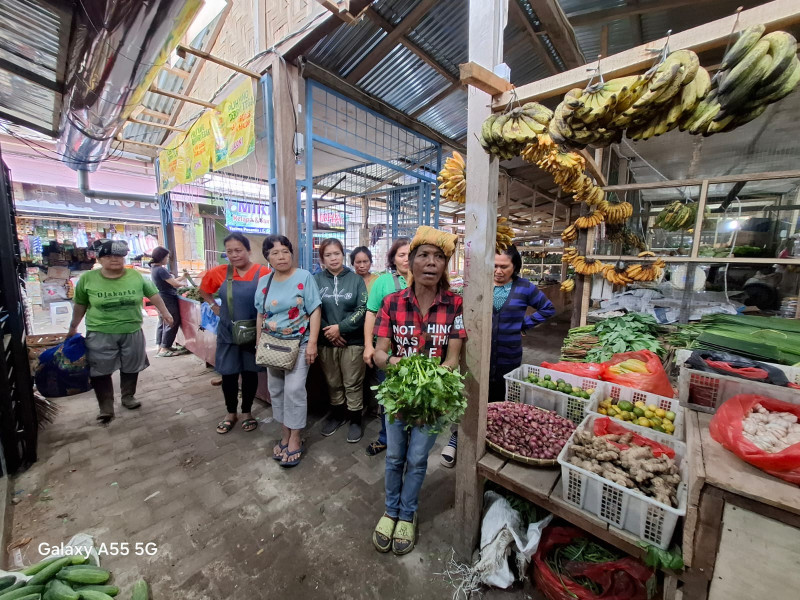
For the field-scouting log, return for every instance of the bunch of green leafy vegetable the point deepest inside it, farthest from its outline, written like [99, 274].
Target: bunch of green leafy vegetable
[582, 550]
[627, 333]
[420, 391]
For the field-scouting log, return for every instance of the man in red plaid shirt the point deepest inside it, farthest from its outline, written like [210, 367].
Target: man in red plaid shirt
[424, 318]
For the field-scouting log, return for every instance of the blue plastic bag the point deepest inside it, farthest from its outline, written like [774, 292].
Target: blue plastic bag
[208, 320]
[64, 370]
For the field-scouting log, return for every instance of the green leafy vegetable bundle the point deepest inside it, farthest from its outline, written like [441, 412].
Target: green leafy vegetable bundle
[420, 391]
[599, 342]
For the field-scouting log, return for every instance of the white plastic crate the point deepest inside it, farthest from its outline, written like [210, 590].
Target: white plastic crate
[620, 392]
[569, 407]
[703, 391]
[627, 509]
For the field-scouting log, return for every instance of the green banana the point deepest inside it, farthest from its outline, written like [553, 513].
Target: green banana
[688, 59]
[741, 71]
[747, 39]
[782, 50]
[741, 119]
[788, 84]
[497, 128]
[539, 113]
[702, 83]
[735, 97]
[486, 128]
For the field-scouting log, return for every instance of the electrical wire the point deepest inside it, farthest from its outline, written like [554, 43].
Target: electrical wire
[39, 150]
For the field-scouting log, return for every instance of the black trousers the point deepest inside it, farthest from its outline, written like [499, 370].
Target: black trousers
[230, 390]
[165, 335]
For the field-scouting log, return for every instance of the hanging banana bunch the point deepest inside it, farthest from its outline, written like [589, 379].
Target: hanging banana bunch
[593, 219]
[505, 135]
[679, 216]
[570, 234]
[568, 285]
[620, 234]
[650, 271]
[616, 274]
[505, 235]
[453, 179]
[617, 213]
[570, 253]
[587, 266]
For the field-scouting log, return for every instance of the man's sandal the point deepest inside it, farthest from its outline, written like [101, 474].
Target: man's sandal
[249, 424]
[405, 536]
[225, 426]
[292, 462]
[279, 455]
[382, 536]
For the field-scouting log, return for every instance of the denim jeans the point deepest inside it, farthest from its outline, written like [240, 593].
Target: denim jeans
[380, 376]
[406, 463]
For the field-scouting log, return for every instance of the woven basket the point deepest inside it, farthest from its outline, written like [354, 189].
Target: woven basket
[532, 462]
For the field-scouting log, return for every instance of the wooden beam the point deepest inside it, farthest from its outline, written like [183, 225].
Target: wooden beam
[582, 18]
[774, 15]
[536, 41]
[181, 97]
[343, 12]
[327, 78]
[604, 40]
[389, 41]
[175, 71]
[674, 183]
[559, 30]
[593, 168]
[285, 90]
[388, 28]
[143, 144]
[483, 79]
[485, 49]
[216, 60]
[153, 124]
[155, 114]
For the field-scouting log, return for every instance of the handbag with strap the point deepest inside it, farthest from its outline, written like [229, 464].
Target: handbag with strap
[275, 352]
[243, 332]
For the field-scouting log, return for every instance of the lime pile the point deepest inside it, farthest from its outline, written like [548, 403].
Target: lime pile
[559, 385]
[644, 415]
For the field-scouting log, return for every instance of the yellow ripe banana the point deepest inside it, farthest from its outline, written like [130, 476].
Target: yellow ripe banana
[568, 285]
[645, 254]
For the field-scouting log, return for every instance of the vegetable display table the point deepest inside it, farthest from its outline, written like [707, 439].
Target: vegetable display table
[742, 529]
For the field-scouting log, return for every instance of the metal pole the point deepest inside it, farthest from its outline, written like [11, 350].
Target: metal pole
[266, 86]
[309, 175]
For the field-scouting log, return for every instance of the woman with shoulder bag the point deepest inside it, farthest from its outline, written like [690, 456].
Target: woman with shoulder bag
[288, 307]
[236, 283]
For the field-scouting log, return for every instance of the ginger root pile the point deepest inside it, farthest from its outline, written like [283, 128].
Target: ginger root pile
[634, 467]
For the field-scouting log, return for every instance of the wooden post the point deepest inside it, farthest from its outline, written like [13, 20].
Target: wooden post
[363, 234]
[284, 76]
[486, 24]
[504, 199]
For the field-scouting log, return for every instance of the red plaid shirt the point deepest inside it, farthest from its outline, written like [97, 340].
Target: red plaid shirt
[401, 320]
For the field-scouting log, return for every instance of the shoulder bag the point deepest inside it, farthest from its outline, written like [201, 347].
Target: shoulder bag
[272, 351]
[243, 332]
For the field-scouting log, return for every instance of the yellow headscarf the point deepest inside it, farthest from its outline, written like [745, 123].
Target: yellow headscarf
[435, 237]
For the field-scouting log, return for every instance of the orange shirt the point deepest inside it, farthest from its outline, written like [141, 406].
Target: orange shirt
[214, 278]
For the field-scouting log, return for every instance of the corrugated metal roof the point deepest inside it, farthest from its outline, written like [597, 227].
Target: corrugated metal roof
[525, 64]
[443, 32]
[32, 34]
[447, 116]
[343, 49]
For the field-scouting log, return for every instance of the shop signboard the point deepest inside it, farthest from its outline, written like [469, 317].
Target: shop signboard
[247, 217]
[67, 202]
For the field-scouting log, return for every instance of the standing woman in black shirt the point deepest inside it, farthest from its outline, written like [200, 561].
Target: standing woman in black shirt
[167, 288]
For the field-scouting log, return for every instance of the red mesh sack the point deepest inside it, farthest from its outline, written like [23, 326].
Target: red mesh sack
[590, 370]
[605, 426]
[622, 579]
[726, 428]
[654, 382]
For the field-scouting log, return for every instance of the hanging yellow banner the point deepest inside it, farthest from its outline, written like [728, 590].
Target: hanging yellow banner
[234, 129]
[171, 165]
[199, 148]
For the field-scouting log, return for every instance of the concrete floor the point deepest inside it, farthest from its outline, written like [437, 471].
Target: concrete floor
[227, 521]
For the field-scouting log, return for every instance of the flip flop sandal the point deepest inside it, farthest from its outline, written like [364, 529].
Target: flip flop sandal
[405, 536]
[249, 424]
[180, 351]
[448, 458]
[294, 461]
[282, 447]
[105, 418]
[225, 426]
[167, 354]
[375, 448]
[384, 531]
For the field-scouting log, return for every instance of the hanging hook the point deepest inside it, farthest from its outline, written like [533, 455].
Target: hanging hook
[733, 29]
[596, 72]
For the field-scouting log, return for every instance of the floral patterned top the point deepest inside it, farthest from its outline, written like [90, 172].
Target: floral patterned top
[289, 305]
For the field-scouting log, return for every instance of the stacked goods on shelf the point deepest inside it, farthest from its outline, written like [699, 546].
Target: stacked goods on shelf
[635, 481]
[453, 179]
[570, 396]
[505, 135]
[526, 430]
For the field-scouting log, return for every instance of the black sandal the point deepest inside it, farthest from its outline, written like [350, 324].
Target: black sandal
[375, 448]
[249, 424]
[225, 426]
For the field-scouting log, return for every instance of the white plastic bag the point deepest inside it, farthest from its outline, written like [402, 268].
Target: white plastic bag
[502, 534]
[81, 543]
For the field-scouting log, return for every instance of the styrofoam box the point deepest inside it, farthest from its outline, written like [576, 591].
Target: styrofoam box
[714, 389]
[569, 407]
[644, 517]
[620, 392]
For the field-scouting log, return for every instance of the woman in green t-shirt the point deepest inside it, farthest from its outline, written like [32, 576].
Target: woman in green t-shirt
[388, 283]
[111, 300]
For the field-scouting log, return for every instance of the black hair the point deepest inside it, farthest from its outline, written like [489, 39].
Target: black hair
[516, 259]
[239, 238]
[159, 253]
[398, 243]
[444, 282]
[360, 250]
[271, 240]
[329, 242]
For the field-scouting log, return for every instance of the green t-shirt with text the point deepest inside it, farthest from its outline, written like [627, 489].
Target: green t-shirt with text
[113, 305]
[383, 286]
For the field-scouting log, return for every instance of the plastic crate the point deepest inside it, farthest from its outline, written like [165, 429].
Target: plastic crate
[703, 391]
[569, 407]
[620, 392]
[644, 517]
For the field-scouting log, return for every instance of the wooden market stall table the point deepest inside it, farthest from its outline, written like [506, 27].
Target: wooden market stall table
[742, 528]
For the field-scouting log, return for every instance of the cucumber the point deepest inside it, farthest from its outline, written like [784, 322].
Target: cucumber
[83, 574]
[58, 590]
[34, 569]
[79, 559]
[49, 571]
[11, 588]
[92, 595]
[140, 591]
[7, 582]
[22, 592]
[32, 597]
[111, 590]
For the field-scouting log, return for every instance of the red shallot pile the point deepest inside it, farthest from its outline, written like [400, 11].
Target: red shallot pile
[527, 430]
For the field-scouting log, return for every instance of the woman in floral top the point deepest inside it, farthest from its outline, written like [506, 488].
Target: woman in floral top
[288, 305]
